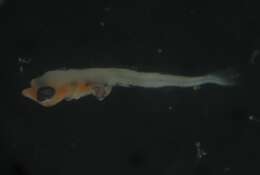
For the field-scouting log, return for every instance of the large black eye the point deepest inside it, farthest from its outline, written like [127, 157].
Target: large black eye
[45, 93]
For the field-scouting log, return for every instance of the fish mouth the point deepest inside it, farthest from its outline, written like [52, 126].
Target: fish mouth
[31, 93]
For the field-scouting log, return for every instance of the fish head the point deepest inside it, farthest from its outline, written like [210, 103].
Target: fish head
[46, 94]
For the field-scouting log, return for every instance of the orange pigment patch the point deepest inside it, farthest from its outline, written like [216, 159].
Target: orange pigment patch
[62, 92]
[84, 87]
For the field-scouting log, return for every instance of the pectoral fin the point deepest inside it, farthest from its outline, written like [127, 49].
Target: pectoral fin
[101, 91]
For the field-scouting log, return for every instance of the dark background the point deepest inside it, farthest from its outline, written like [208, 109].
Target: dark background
[133, 131]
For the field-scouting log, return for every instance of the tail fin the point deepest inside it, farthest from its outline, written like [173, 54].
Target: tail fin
[227, 77]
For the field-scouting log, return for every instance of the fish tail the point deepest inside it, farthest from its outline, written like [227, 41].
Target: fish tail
[227, 77]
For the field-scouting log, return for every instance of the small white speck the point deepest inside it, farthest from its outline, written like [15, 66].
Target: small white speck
[226, 169]
[197, 144]
[170, 108]
[196, 88]
[159, 50]
[203, 153]
[102, 24]
[200, 152]
[24, 60]
[107, 9]
[253, 56]
[251, 117]
[21, 62]
[21, 69]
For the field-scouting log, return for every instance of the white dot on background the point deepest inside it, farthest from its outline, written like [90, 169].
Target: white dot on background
[170, 108]
[227, 169]
[24, 60]
[253, 56]
[203, 153]
[107, 9]
[21, 69]
[197, 144]
[159, 50]
[200, 152]
[102, 24]
[251, 117]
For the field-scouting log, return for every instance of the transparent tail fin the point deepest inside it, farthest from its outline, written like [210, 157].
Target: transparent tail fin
[227, 77]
